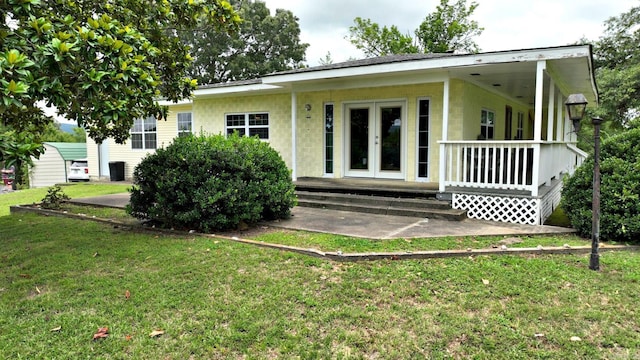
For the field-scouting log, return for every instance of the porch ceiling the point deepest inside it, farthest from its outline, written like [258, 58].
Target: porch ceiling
[518, 79]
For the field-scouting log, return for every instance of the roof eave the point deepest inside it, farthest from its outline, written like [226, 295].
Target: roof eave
[435, 63]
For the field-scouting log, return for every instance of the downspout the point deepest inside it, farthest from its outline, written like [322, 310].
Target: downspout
[294, 120]
[445, 136]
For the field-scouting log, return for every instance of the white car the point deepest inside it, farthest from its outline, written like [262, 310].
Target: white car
[79, 170]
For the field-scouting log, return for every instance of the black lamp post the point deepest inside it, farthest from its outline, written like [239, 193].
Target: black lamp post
[576, 105]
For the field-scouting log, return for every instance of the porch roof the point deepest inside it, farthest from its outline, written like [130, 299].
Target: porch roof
[511, 73]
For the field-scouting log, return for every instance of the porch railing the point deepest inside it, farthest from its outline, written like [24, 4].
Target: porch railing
[506, 165]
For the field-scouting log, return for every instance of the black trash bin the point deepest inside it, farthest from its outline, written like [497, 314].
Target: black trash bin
[116, 170]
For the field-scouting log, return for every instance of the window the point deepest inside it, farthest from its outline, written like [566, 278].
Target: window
[423, 138]
[185, 124]
[143, 133]
[328, 138]
[249, 124]
[487, 120]
[520, 129]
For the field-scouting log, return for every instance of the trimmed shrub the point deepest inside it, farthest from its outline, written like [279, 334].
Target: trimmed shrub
[211, 183]
[619, 194]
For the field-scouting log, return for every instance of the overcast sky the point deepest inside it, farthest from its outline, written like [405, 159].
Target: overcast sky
[508, 24]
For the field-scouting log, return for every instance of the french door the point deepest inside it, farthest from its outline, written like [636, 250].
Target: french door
[375, 140]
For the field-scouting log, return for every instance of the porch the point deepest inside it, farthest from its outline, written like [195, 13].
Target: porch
[508, 181]
[513, 167]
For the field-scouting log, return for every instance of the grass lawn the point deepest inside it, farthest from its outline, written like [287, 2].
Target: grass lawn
[30, 196]
[61, 279]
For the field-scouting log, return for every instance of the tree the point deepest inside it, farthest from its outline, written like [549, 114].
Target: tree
[54, 133]
[448, 29]
[100, 63]
[263, 44]
[617, 61]
[327, 59]
[375, 41]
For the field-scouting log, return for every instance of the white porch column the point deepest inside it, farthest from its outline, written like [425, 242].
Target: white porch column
[547, 173]
[550, 113]
[559, 118]
[445, 136]
[294, 136]
[537, 134]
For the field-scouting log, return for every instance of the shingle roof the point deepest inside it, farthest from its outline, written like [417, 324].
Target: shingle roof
[231, 83]
[342, 65]
[389, 59]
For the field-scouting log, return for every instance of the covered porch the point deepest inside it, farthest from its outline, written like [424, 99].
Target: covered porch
[519, 180]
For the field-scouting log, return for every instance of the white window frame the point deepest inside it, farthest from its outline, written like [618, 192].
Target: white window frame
[145, 134]
[486, 125]
[246, 127]
[418, 177]
[183, 132]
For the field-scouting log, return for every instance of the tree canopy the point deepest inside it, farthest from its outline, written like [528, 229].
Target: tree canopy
[101, 63]
[448, 29]
[263, 44]
[617, 61]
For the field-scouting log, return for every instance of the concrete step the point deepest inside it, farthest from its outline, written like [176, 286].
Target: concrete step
[357, 199]
[424, 208]
[366, 189]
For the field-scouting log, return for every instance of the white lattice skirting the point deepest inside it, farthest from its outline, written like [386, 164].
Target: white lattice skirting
[498, 208]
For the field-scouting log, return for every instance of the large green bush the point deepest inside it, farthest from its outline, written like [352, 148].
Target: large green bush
[620, 190]
[211, 183]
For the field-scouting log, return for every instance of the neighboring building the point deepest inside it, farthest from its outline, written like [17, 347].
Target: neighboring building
[489, 130]
[53, 165]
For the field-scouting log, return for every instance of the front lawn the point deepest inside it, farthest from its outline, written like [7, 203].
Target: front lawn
[61, 279]
[30, 196]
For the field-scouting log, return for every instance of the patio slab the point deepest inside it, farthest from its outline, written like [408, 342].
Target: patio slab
[373, 226]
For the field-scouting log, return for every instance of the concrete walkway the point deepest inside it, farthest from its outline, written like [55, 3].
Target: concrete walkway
[373, 226]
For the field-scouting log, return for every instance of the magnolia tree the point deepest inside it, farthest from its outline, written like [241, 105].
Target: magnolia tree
[102, 63]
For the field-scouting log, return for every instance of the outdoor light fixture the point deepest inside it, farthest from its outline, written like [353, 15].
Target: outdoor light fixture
[307, 107]
[576, 105]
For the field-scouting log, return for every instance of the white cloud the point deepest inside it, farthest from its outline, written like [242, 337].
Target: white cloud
[509, 24]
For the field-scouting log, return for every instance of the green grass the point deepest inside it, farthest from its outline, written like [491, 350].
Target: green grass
[329, 242]
[30, 196]
[558, 218]
[220, 299]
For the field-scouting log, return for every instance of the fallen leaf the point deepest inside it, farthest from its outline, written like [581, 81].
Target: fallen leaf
[485, 281]
[56, 329]
[575, 338]
[128, 338]
[96, 254]
[38, 290]
[103, 332]
[156, 333]
[127, 294]
[538, 335]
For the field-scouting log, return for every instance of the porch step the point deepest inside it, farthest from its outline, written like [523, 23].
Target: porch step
[384, 205]
[364, 187]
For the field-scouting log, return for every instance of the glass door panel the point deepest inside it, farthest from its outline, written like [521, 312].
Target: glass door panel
[359, 138]
[389, 137]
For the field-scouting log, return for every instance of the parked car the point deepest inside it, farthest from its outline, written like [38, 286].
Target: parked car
[79, 170]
